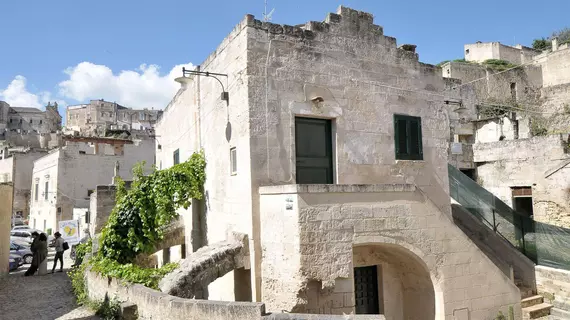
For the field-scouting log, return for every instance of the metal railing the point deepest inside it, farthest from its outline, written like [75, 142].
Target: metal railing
[544, 244]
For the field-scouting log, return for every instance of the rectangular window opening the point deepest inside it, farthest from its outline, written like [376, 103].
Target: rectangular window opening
[514, 91]
[36, 191]
[408, 137]
[176, 156]
[46, 190]
[233, 161]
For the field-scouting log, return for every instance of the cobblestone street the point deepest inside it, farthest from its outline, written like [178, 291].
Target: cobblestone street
[46, 297]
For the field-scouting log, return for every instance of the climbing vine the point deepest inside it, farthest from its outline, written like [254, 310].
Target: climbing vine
[140, 214]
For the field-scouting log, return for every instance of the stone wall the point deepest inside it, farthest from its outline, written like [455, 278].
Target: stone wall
[554, 285]
[555, 67]
[101, 203]
[197, 117]
[152, 304]
[313, 236]
[5, 226]
[539, 163]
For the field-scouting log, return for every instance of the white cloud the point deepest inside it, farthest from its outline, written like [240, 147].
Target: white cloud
[17, 95]
[144, 87]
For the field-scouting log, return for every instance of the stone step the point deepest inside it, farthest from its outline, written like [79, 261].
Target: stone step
[559, 314]
[536, 311]
[531, 301]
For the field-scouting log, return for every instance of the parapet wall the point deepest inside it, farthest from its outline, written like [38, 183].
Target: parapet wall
[152, 304]
[551, 146]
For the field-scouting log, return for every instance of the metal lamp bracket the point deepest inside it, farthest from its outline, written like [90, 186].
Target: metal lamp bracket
[225, 96]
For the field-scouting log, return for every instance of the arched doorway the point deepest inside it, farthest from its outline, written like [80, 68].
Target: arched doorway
[391, 280]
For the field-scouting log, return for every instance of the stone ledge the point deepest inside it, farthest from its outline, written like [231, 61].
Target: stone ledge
[336, 188]
[152, 304]
[299, 316]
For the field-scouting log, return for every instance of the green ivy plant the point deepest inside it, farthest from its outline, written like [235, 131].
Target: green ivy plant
[140, 215]
[137, 223]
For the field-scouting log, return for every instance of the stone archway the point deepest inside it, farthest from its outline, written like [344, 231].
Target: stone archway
[405, 287]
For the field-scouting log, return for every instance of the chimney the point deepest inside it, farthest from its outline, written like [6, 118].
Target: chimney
[554, 44]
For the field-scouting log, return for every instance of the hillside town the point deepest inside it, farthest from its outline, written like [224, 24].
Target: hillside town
[315, 171]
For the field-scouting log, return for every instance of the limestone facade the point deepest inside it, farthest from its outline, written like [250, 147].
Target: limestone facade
[539, 163]
[430, 268]
[65, 178]
[28, 120]
[347, 71]
[511, 111]
[16, 167]
[99, 115]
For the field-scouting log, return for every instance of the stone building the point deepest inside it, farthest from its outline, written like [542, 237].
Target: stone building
[29, 120]
[330, 155]
[98, 115]
[65, 178]
[516, 126]
[16, 166]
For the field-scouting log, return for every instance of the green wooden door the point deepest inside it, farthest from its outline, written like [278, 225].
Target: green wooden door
[313, 143]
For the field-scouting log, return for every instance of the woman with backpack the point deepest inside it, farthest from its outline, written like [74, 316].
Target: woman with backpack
[60, 245]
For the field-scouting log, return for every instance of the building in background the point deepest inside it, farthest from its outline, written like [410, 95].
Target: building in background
[98, 116]
[16, 166]
[64, 179]
[29, 120]
[513, 134]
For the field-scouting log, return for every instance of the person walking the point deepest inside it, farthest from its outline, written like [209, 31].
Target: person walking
[34, 248]
[39, 250]
[58, 244]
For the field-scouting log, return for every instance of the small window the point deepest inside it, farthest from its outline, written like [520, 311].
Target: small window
[31, 121]
[233, 161]
[176, 156]
[466, 51]
[514, 91]
[20, 121]
[408, 137]
[11, 120]
[36, 191]
[159, 147]
[41, 121]
[46, 190]
[89, 192]
[81, 152]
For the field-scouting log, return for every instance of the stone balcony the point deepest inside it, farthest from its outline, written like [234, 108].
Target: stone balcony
[314, 236]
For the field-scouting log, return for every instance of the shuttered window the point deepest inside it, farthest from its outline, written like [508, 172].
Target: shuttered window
[408, 137]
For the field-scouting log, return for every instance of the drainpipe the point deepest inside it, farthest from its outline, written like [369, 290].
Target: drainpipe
[199, 109]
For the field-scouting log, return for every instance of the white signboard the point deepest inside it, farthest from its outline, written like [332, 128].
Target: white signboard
[69, 230]
[457, 148]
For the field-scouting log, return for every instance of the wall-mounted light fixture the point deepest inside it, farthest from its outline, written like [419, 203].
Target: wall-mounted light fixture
[225, 96]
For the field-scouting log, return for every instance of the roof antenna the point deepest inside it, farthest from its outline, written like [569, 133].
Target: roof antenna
[267, 16]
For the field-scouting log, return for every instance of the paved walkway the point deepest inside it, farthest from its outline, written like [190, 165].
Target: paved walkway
[46, 297]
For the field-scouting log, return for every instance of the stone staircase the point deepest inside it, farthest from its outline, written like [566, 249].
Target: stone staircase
[533, 305]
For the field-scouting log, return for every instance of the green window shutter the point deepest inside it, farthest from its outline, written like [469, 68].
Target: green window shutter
[408, 137]
[397, 136]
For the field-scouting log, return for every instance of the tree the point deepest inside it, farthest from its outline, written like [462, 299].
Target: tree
[563, 36]
[541, 44]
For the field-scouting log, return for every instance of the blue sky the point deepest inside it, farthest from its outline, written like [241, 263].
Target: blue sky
[125, 51]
